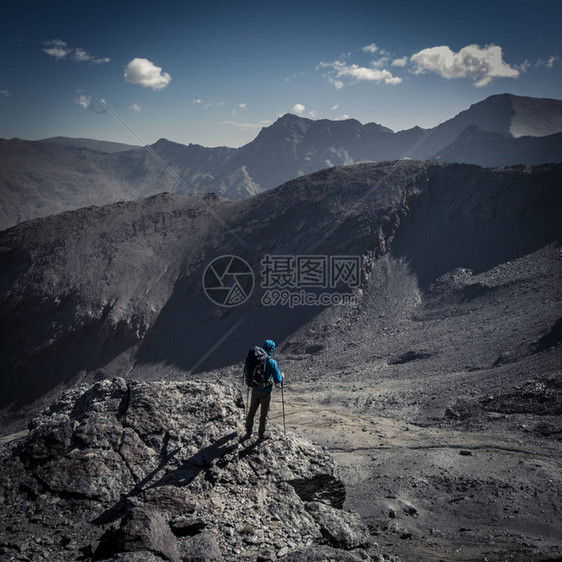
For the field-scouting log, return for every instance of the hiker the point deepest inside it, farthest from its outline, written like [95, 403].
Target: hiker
[261, 373]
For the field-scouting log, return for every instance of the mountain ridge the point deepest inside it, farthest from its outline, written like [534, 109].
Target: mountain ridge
[115, 280]
[475, 146]
[91, 144]
[38, 184]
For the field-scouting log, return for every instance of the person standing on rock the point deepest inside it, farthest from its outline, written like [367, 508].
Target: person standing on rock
[261, 373]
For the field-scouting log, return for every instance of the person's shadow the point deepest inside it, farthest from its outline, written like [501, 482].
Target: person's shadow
[181, 476]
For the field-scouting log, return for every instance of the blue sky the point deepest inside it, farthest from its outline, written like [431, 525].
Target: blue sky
[214, 73]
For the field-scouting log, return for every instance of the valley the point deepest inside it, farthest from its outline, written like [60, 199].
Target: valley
[437, 391]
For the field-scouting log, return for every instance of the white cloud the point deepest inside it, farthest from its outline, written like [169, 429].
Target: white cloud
[206, 105]
[294, 76]
[242, 106]
[83, 100]
[343, 117]
[298, 108]
[80, 55]
[372, 48]
[549, 63]
[146, 74]
[338, 69]
[524, 66]
[60, 50]
[334, 107]
[247, 126]
[5, 93]
[380, 63]
[57, 49]
[312, 113]
[400, 62]
[135, 107]
[472, 61]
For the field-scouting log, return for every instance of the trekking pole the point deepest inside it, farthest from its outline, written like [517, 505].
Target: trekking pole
[283, 403]
[247, 395]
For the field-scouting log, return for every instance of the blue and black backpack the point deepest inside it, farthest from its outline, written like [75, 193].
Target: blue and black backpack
[255, 369]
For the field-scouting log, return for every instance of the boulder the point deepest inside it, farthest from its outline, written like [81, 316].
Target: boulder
[159, 468]
[339, 528]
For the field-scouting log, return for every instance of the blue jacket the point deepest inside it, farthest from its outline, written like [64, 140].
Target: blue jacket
[272, 371]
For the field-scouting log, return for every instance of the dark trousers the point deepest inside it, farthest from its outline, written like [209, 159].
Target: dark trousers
[259, 398]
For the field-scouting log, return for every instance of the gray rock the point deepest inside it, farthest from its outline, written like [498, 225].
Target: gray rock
[142, 530]
[202, 548]
[158, 467]
[169, 499]
[92, 473]
[323, 553]
[138, 556]
[187, 526]
[340, 529]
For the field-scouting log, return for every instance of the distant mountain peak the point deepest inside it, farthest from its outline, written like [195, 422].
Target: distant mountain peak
[47, 172]
[164, 142]
[288, 117]
[289, 120]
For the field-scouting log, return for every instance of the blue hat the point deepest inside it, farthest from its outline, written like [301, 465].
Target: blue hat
[269, 346]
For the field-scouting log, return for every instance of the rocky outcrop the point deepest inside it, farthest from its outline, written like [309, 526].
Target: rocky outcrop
[127, 470]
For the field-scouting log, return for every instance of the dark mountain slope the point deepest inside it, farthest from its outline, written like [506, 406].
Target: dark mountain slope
[177, 168]
[40, 178]
[494, 149]
[118, 289]
[535, 117]
[504, 114]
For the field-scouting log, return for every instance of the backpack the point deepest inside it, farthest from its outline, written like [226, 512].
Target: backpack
[255, 369]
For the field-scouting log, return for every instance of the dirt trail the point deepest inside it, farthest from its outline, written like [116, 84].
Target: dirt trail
[343, 430]
[438, 493]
